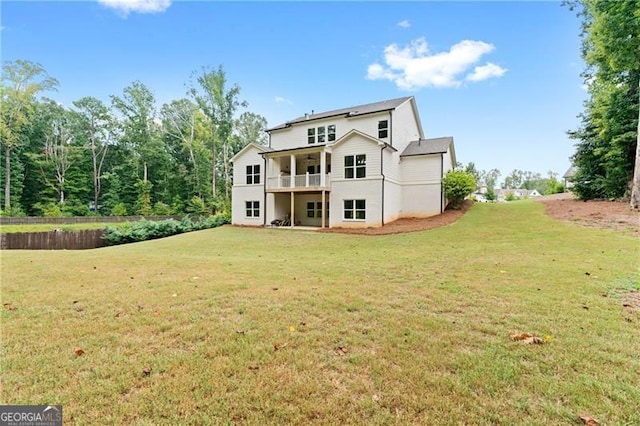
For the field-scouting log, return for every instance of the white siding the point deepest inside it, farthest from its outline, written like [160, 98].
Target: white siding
[404, 127]
[241, 192]
[391, 163]
[421, 169]
[369, 190]
[421, 200]
[355, 145]
[421, 190]
[392, 201]
[447, 162]
[240, 195]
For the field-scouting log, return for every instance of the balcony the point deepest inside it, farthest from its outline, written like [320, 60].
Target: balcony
[306, 182]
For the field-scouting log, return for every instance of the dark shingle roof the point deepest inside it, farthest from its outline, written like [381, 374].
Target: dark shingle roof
[350, 111]
[428, 146]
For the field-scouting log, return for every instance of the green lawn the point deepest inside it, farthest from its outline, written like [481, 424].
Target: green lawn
[257, 326]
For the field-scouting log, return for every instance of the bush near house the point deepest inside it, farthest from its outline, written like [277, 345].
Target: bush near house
[457, 185]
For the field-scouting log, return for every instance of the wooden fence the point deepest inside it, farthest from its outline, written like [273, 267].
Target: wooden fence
[53, 240]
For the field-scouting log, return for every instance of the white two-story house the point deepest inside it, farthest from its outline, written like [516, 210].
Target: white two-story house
[362, 166]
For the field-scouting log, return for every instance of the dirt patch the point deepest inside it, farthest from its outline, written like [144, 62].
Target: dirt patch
[632, 301]
[614, 215]
[408, 224]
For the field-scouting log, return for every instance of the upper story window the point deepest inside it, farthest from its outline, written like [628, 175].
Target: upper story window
[321, 134]
[383, 129]
[331, 132]
[253, 174]
[355, 166]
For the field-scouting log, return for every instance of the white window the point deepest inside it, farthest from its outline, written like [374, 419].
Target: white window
[321, 134]
[314, 209]
[355, 166]
[355, 209]
[383, 129]
[252, 208]
[253, 174]
[331, 132]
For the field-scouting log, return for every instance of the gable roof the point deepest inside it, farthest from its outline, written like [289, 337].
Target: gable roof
[428, 146]
[354, 132]
[348, 112]
[260, 148]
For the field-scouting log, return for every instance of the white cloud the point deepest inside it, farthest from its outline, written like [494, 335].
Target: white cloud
[414, 66]
[140, 6]
[404, 24]
[486, 71]
[281, 100]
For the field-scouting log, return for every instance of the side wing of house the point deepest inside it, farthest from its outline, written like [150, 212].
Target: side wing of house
[423, 165]
[356, 182]
[247, 197]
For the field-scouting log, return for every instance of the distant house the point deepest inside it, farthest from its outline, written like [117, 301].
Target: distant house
[361, 166]
[568, 177]
[518, 194]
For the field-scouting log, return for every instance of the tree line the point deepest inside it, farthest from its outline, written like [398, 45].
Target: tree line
[607, 153]
[122, 157]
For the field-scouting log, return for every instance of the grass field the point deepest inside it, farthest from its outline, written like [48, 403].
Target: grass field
[248, 326]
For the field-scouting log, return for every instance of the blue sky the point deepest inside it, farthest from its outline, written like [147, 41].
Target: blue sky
[502, 78]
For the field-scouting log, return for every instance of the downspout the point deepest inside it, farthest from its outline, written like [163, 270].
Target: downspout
[264, 189]
[383, 178]
[441, 177]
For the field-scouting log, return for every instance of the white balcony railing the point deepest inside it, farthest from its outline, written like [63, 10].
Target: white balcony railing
[312, 181]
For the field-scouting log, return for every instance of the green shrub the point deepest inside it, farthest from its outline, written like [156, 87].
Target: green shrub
[510, 196]
[197, 207]
[162, 209]
[119, 210]
[50, 209]
[457, 185]
[147, 230]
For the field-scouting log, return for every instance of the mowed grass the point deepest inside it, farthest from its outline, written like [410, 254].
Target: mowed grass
[256, 326]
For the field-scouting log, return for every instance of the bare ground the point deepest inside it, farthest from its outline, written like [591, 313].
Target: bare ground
[615, 215]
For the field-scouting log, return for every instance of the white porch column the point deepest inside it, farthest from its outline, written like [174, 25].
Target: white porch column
[323, 172]
[324, 205]
[293, 174]
[292, 218]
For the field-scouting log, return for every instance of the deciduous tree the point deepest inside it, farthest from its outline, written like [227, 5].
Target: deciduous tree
[21, 82]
